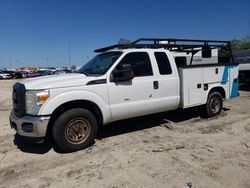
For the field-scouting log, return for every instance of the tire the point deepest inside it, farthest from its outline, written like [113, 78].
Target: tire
[214, 104]
[74, 130]
[1, 77]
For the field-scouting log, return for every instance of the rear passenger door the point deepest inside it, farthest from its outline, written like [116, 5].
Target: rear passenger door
[133, 98]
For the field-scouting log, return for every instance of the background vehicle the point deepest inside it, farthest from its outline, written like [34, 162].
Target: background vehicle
[32, 74]
[43, 72]
[243, 58]
[122, 81]
[4, 75]
[18, 75]
[11, 73]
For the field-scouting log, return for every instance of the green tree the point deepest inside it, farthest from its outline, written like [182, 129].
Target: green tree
[242, 44]
[236, 45]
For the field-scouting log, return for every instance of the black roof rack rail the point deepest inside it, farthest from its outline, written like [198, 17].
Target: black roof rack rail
[157, 40]
[168, 43]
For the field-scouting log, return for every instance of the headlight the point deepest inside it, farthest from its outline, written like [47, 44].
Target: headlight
[34, 100]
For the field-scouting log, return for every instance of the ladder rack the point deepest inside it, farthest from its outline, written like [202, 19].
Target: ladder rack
[180, 45]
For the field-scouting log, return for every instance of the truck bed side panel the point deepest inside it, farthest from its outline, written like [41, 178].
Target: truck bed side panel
[197, 82]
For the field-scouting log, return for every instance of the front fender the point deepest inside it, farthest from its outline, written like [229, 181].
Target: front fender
[66, 96]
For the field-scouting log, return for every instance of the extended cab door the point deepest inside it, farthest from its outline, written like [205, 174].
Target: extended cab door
[168, 93]
[144, 94]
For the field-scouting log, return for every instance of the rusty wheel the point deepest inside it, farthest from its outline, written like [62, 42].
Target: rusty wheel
[77, 130]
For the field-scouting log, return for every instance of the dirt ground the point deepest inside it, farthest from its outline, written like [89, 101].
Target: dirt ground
[174, 149]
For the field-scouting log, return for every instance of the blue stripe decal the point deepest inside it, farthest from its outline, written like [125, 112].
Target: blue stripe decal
[225, 75]
[235, 87]
[224, 79]
[235, 84]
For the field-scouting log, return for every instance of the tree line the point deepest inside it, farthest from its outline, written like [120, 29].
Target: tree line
[241, 44]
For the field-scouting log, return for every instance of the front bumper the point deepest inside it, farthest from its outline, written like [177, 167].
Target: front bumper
[29, 126]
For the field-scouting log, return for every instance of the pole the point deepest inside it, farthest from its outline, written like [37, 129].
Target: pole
[9, 63]
[69, 54]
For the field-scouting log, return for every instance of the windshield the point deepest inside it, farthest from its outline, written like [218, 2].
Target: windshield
[100, 64]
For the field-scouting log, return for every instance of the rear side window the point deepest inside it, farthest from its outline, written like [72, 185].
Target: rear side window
[140, 63]
[180, 61]
[163, 63]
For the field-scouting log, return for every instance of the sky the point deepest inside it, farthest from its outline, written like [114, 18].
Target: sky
[41, 32]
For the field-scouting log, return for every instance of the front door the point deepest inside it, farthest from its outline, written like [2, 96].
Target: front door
[133, 98]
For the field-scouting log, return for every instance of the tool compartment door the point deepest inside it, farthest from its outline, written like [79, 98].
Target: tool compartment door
[191, 86]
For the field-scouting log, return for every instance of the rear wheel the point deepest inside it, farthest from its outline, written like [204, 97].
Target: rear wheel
[75, 129]
[214, 104]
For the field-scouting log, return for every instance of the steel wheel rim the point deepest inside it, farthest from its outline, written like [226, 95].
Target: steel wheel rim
[77, 130]
[215, 105]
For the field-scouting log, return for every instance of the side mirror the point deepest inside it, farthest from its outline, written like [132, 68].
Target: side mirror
[206, 52]
[123, 73]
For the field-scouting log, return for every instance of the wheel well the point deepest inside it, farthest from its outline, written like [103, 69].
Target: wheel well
[220, 90]
[91, 106]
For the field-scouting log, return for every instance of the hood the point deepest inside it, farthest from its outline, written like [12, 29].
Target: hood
[57, 81]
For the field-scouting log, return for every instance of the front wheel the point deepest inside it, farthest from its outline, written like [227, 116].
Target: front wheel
[75, 129]
[214, 104]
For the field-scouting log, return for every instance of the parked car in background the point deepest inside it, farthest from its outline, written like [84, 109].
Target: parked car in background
[11, 73]
[18, 75]
[43, 72]
[68, 71]
[32, 74]
[24, 74]
[4, 75]
[63, 72]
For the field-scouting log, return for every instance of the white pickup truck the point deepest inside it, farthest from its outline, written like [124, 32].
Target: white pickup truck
[122, 81]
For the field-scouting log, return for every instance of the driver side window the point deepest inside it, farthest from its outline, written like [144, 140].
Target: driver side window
[140, 63]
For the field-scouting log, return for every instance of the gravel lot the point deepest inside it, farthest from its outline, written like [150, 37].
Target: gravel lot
[162, 150]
